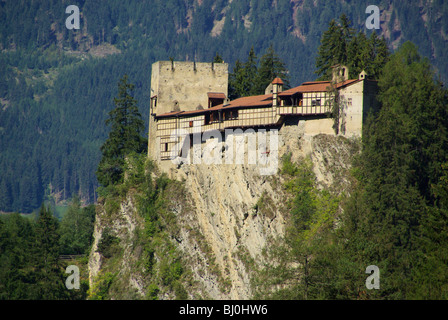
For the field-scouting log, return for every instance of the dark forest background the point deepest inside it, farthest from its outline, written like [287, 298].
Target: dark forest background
[57, 85]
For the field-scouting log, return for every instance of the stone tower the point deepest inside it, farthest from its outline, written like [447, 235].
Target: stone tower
[339, 73]
[183, 86]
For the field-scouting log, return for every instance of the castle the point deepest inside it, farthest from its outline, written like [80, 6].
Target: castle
[192, 96]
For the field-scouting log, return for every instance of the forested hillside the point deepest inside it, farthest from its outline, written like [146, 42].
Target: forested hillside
[57, 85]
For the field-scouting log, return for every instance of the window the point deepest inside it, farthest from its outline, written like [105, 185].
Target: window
[165, 147]
[214, 117]
[153, 102]
[315, 103]
[233, 114]
[191, 124]
[349, 101]
[215, 98]
[230, 114]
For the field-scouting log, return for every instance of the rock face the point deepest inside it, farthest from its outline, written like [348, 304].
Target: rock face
[123, 223]
[223, 234]
[224, 199]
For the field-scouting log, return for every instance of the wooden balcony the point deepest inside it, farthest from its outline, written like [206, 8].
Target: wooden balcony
[303, 110]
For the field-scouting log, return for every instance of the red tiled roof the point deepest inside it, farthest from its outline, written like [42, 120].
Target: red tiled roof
[247, 102]
[261, 100]
[347, 83]
[251, 101]
[277, 81]
[315, 86]
[313, 82]
[216, 95]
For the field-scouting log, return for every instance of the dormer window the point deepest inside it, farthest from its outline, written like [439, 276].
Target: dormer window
[215, 99]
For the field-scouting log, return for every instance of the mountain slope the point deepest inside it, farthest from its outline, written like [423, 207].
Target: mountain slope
[57, 85]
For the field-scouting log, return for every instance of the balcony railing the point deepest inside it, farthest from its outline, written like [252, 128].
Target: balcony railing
[303, 110]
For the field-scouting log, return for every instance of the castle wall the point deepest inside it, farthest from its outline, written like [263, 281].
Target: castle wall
[314, 127]
[184, 85]
[351, 116]
[357, 100]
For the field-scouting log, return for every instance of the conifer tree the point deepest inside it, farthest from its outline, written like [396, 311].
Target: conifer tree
[340, 44]
[76, 229]
[395, 221]
[251, 72]
[50, 281]
[271, 66]
[125, 136]
[17, 260]
[331, 51]
[218, 58]
[237, 81]
[242, 81]
[252, 77]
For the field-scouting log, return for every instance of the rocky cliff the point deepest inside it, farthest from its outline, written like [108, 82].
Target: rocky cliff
[224, 217]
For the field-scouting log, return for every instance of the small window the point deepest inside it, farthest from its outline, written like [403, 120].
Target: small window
[214, 117]
[349, 101]
[230, 114]
[165, 147]
[191, 124]
[315, 103]
[154, 102]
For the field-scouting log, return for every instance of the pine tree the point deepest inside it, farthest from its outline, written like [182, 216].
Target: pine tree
[395, 221]
[331, 51]
[359, 55]
[340, 44]
[17, 276]
[237, 81]
[218, 58]
[251, 73]
[125, 136]
[271, 66]
[76, 229]
[380, 55]
[50, 280]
